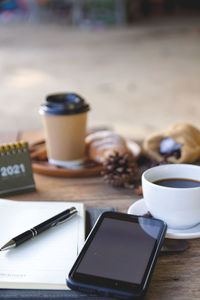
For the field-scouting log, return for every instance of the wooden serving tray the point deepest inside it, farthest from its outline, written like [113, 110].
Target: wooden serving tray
[51, 170]
[89, 168]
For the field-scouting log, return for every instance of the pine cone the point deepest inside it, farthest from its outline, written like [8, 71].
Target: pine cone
[119, 170]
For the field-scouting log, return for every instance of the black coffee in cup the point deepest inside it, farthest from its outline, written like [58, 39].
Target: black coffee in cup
[178, 183]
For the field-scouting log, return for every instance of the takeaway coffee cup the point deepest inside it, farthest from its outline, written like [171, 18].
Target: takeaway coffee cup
[179, 207]
[65, 118]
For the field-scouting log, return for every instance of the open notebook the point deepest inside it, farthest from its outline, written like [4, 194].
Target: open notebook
[45, 261]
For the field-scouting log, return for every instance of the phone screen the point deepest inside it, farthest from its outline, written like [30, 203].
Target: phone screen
[121, 249]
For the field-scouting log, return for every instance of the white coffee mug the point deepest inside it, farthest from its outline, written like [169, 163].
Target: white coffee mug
[178, 207]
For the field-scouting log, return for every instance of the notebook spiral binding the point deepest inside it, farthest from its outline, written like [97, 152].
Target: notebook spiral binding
[13, 148]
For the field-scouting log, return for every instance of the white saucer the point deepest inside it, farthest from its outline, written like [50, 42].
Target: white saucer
[139, 208]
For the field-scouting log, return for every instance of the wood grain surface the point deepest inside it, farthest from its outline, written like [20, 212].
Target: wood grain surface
[176, 276]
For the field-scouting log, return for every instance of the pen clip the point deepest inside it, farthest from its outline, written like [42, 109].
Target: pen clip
[65, 219]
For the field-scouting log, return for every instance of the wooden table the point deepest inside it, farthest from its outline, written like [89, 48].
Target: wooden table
[176, 276]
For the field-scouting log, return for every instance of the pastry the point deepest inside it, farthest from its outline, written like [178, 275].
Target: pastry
[101, 144]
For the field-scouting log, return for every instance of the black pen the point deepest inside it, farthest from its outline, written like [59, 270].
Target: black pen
[29, 234]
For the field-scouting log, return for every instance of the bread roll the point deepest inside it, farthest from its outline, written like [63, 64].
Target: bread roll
[102, 144]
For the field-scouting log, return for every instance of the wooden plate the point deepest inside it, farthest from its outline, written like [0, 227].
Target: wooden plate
[89, 168]
[47, 169]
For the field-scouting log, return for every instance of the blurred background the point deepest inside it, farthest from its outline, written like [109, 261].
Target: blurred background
[137, 62]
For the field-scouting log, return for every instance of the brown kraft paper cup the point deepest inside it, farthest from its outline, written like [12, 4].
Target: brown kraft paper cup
[65, 120]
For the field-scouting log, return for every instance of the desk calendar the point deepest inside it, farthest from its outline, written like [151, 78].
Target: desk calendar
[15, 169]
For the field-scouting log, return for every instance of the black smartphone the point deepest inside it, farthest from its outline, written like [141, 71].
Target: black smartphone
[118, 257]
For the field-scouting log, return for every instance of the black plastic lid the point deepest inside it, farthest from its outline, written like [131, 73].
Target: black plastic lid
[64, 104]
